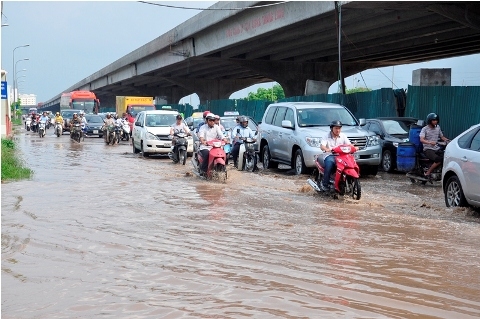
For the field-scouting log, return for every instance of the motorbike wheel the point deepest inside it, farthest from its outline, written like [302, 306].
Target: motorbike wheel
[127, 137]
[220, 173]
[78, 137]
[40, 133]
[182, 157]
[356, 189]
[28, 128]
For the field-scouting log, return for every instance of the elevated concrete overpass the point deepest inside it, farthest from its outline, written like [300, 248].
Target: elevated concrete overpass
[221, 51]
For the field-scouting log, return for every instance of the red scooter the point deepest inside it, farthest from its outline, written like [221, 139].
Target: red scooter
[345, 179]
[216, 169]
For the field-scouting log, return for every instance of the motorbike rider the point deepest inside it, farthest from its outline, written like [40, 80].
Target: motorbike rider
[178, 127]
[429, 136]
[217, 122]
[333, 138]
[109, 120]
[83, 119]
[44, 118]
[207, 133]
[238, 132]
[204, 121]
[58, 118]
[75, 119]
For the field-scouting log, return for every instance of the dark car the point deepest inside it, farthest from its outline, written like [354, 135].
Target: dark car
[391, 131]
[67, 116]
[94, 125]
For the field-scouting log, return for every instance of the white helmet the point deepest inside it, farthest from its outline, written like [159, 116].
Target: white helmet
[210, 116]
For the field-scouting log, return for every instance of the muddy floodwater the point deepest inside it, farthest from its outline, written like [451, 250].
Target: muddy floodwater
[100, 232]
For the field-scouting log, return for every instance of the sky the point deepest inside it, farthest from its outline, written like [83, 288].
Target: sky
[70, 40]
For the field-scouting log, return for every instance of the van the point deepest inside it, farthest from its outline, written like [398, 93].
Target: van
[151, 132]
[290, 133]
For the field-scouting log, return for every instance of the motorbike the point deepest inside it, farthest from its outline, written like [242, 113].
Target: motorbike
[179, 151]
[345, 179]
[58, 129]
[110, 136]
[47, 124]
[118, 133]
[34, 126]
[41, 129]
[28, 122]
[227, 147]
[247, 155]
[125, 133]
[216, 168]
[422, 164]
[76, 132]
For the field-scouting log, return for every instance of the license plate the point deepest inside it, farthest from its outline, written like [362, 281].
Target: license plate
[167, 144]
[95, 131]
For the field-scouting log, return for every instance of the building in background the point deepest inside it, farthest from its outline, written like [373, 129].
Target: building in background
[27, 99]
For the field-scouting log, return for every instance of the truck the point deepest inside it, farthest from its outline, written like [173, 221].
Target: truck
[133, 104]
[80, 100]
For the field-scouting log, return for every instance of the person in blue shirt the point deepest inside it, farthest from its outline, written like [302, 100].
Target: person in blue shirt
[44, 118]
[238, 132]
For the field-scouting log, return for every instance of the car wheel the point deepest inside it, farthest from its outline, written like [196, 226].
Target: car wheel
[135, 150]
[387, 161]
[454, 196]
[267, 163]
[142, 150]
[300, 167]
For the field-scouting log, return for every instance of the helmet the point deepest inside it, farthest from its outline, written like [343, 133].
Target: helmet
[81, 112]
[57, 114]
[432, 117]
[74, 114]
[108, 115]
[217, 117]
[210, 116]
[335, 123]
[206, 113]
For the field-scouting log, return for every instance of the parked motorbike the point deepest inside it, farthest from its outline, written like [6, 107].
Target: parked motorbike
[58, 129]
[216, 168]
[422, 164]
[76, 132]
[179, 151]
[41, 129]
[110, 136]
[28, 123]
[247, 155]
[345, 179]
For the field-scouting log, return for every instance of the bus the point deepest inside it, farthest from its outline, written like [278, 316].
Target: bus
[80, 100]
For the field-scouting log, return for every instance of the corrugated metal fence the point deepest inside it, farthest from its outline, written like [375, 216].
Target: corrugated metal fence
[458, 107]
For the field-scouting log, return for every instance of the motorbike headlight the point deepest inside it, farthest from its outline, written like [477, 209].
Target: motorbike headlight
[372, 140]
[313, 141]
[150, 136]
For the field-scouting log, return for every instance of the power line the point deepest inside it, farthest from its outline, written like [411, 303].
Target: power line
[212, 9]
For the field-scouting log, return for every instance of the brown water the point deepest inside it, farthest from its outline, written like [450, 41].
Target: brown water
[101, 232]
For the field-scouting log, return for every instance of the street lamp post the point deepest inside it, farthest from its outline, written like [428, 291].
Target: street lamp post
[13, 65]
[14, 80]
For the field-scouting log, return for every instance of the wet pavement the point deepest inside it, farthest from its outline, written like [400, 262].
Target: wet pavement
[102, 232]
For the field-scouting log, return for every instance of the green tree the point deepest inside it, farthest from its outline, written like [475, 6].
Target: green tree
[273, 94]
[357, 90]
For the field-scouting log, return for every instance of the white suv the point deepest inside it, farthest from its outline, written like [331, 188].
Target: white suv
[151, 132]
[290, 133]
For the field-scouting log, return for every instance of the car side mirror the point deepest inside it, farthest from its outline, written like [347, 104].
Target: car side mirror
[287, 124]
[362, 122]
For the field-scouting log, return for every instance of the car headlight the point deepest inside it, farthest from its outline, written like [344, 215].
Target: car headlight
[313, 141]
[395, 144]
[372, 140]
[150, 136]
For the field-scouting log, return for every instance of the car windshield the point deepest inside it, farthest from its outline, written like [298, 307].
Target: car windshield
[324, 116]
[94, 119]
[67, 115]
[230, 122]
[158, 120]
[394, 127]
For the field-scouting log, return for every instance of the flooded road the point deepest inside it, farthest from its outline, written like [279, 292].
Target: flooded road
[101, 232]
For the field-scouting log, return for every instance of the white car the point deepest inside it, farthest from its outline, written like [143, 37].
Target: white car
[151, 132]
[461, 169]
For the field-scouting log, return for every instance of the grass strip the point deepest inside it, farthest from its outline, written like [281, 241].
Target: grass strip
[12, 167]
